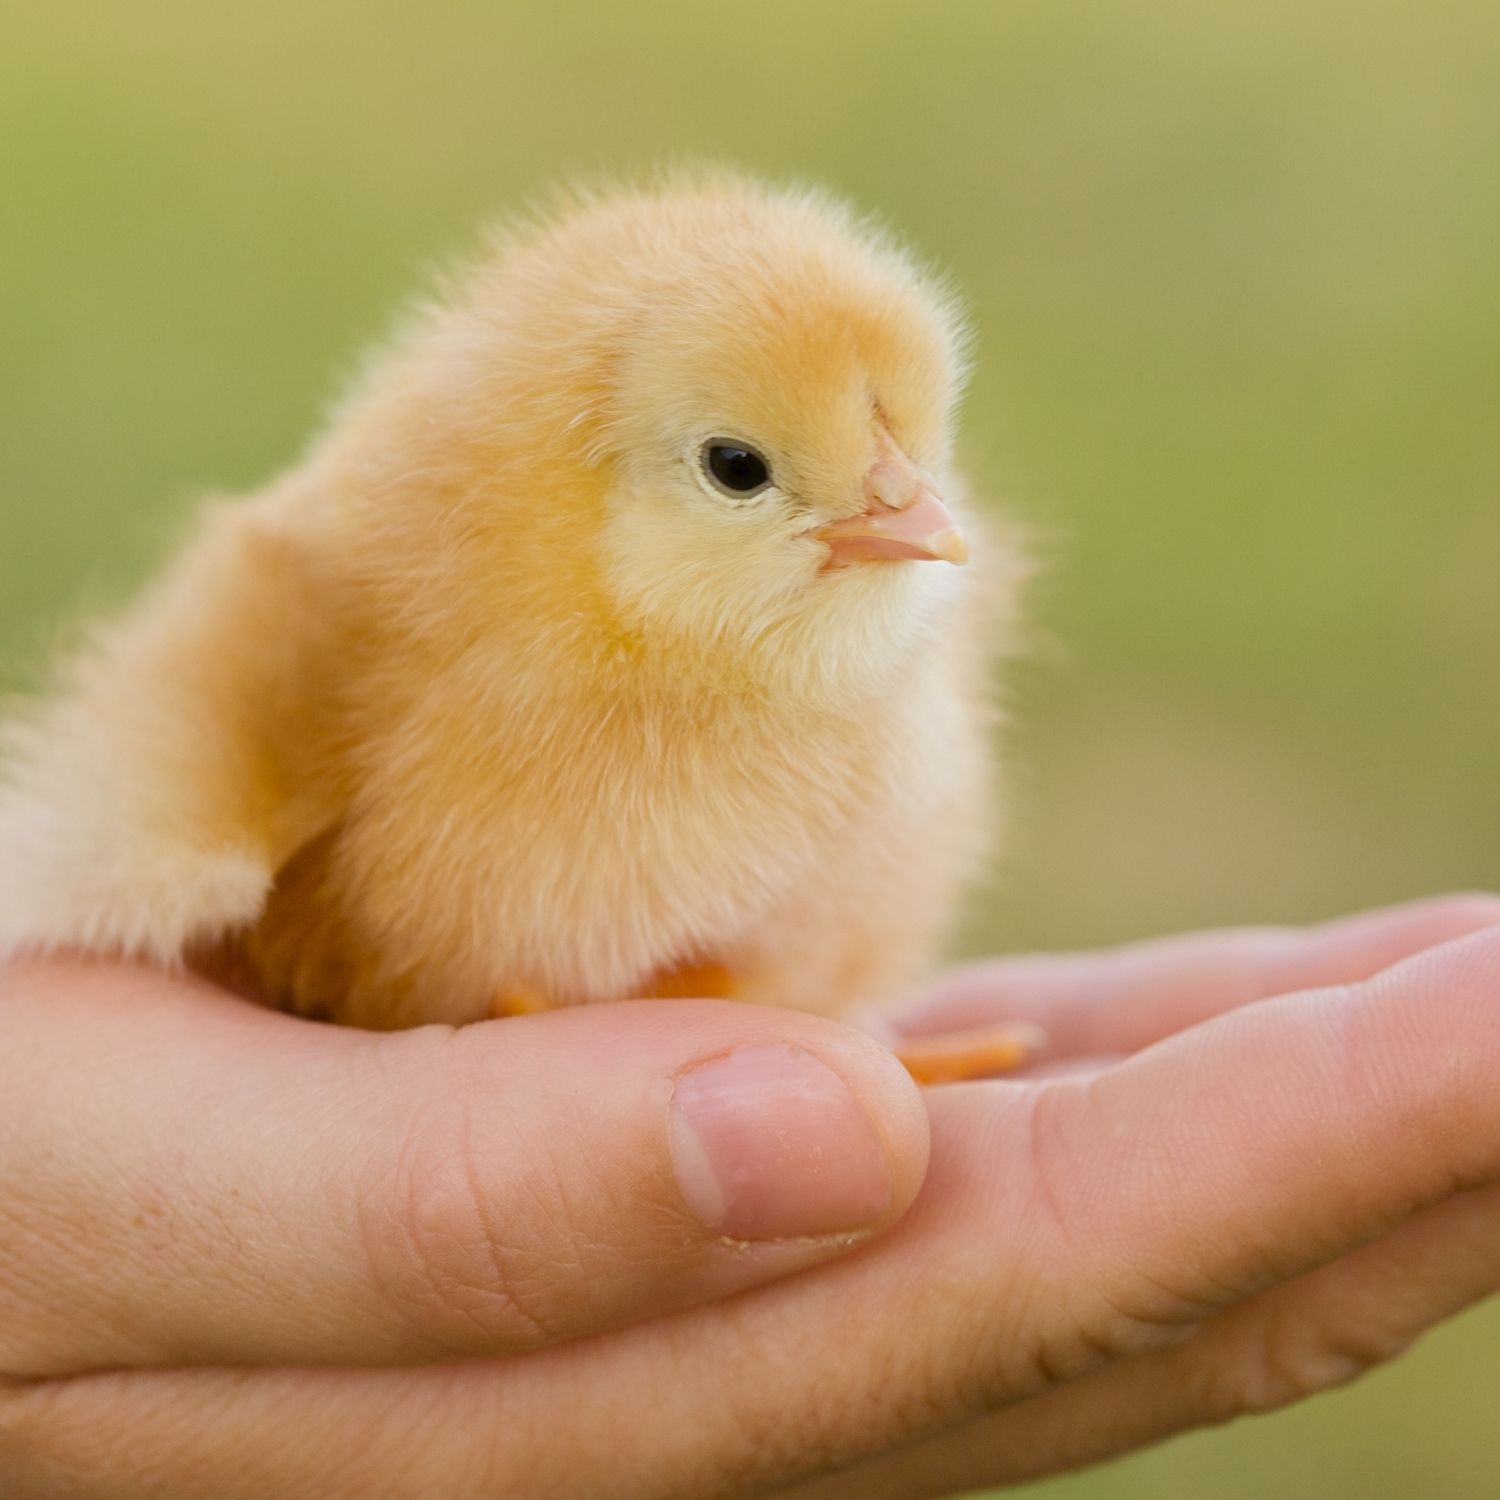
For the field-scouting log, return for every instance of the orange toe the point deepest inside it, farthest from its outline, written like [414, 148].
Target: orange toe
[982, 1052]
[520, 1000]
[690, 982]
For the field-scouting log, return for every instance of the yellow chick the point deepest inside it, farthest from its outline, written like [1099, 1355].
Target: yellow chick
[611, 642]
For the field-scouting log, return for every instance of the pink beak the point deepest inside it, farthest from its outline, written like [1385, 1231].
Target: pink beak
[905, 519]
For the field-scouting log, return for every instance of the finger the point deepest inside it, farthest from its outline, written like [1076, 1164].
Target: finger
[215, 1183]
[1123, 999]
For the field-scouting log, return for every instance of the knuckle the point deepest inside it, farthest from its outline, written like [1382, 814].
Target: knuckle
[1294, 1359]
[470, 1258]
[1100, 1297]
[1287, 1358]
[1063, 1196]
[1075, 1298]
[1122, 1274]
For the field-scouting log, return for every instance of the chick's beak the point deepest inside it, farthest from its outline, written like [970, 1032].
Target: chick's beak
[904, 518]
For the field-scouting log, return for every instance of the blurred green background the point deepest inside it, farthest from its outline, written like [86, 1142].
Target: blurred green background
[1236, 273]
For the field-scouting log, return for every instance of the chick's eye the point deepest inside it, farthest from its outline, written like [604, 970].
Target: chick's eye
[735, 468]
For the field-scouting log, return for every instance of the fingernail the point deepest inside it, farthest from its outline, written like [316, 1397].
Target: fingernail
[770, 1144]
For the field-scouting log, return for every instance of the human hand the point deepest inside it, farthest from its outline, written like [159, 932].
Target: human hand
[1284, 1196]
[1246, 1208]
[187, 1180]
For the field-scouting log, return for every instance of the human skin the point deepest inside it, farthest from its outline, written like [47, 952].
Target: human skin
[245, 1255]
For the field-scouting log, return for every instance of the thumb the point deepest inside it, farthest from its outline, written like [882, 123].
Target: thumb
[215, 1183]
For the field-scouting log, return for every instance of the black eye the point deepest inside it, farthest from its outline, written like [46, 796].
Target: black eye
[735, 468]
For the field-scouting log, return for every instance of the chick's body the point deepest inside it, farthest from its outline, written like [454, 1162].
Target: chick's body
[519, 690]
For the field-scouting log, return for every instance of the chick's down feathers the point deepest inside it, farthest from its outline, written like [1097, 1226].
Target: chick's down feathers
[609, 642]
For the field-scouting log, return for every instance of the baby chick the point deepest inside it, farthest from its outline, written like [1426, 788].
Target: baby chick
[613, 641]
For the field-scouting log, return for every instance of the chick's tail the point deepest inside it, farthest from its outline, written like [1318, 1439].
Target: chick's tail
[146, 806]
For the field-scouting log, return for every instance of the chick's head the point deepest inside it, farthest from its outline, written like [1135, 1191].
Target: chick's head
[711, 420]
[775, 434]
